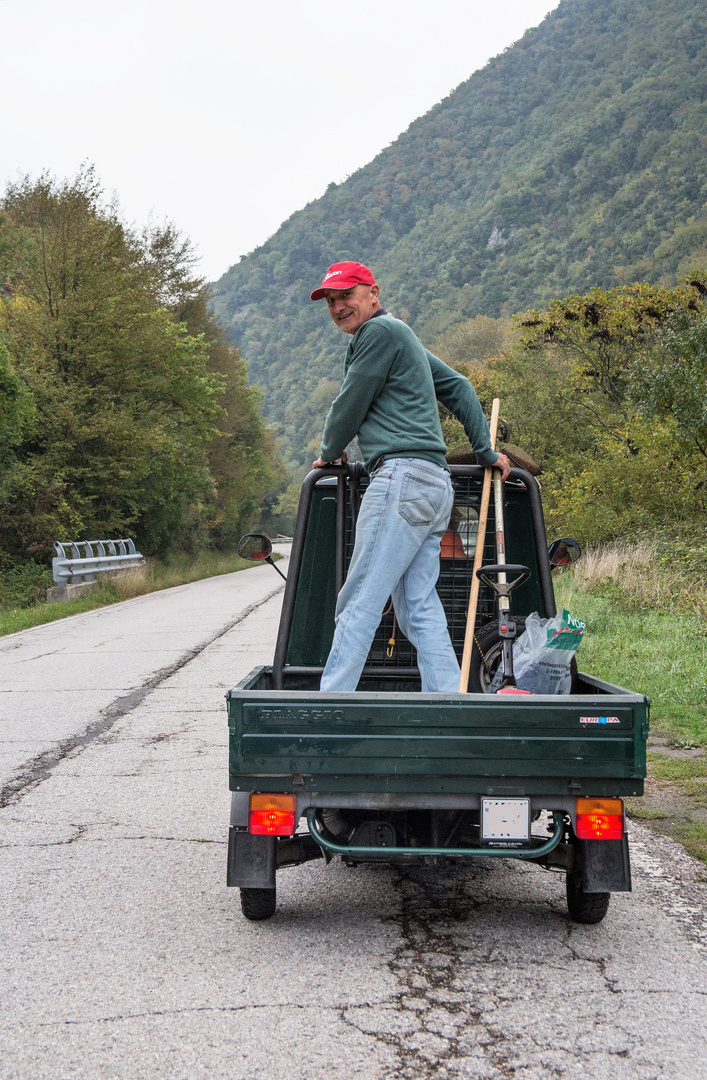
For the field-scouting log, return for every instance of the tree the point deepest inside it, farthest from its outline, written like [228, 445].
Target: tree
[615, 493]
[475, 339]
[674, 383]
[16, 411]
[467, 348]
[581, 392]
[241, 454]
[602, 334]
[128, 400]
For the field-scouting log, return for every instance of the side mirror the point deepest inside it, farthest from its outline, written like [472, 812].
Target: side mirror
[254, 547]
[563, 552]
[257, 547]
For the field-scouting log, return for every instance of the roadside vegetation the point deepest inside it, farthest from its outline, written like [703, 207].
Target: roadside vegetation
[28, 609]
[644, 606]
[606, 391]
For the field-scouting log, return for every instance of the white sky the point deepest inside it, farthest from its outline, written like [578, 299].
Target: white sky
[226, 116]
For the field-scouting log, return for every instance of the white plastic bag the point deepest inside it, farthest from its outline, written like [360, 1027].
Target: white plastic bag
[542, 655]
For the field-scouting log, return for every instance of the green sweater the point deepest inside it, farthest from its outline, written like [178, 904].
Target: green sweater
[389, 399]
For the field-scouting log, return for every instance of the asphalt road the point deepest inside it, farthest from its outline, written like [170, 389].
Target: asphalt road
[123, 955]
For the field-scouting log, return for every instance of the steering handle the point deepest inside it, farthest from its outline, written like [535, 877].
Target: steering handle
[507, 568]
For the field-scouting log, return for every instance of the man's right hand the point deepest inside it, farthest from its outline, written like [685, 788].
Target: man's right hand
[320, 463]
[504, 465]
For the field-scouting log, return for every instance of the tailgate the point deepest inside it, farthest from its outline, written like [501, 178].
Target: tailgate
[426, 742]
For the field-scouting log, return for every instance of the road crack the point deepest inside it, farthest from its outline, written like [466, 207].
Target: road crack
[150, 1013]
[450, 1019]
[432, 1016]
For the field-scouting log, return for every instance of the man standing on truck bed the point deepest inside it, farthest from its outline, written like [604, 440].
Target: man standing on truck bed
[389, 399]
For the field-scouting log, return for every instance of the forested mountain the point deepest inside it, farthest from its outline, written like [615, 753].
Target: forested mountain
[575, 158]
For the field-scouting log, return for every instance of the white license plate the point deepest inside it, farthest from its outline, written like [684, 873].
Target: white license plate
[505, 819]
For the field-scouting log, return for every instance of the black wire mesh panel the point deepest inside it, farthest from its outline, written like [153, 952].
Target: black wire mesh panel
[457, 561]
[454, 584]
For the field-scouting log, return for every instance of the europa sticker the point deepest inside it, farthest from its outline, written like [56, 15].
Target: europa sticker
[599, 720]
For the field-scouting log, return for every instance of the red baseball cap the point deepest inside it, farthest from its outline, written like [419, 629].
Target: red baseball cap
[343, 275]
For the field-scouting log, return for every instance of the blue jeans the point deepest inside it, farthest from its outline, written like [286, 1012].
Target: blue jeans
[404, 514]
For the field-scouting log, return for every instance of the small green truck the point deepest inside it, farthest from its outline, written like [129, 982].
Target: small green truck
[389, 774]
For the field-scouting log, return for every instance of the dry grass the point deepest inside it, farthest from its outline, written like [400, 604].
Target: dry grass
[613, 560]
[178, 571]
[647, 575]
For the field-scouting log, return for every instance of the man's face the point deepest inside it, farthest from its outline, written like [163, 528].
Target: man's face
[351, 308]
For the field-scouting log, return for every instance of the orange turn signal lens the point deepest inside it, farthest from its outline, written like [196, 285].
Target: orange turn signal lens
[600, 819]
[272, 815]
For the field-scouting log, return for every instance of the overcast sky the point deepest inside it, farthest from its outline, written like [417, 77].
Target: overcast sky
[224, 116]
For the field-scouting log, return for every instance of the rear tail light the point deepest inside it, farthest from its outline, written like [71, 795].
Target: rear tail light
[272, 815]
[600, 819]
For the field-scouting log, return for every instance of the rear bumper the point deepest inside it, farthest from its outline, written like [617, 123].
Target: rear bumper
[390, 801]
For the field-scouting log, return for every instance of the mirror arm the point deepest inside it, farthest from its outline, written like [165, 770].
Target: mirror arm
[270, 560]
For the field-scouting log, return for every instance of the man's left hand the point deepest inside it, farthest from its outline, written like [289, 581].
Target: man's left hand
[504, 465]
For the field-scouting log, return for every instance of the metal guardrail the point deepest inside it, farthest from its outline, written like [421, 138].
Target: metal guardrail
[71, 566]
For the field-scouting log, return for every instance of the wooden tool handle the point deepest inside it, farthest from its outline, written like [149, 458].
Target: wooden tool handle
[478, 557]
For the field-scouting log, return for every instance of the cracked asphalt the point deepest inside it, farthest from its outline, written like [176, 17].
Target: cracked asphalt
[123, 955]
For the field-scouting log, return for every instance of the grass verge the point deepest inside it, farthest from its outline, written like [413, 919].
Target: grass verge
[144, 579]
[652, 652]
[675, 801]
[646, 631]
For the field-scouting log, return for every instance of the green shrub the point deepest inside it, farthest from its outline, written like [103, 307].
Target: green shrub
[23, 584]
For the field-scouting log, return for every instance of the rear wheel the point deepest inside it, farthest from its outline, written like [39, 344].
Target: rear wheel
[486, 656]
[258, 904]
[585, 907]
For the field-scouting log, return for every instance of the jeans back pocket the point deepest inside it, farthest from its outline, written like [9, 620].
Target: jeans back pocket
[420, 500]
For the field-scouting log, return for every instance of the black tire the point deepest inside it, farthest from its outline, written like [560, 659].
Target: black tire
[258, 904]
[585, 907]
[486, 655]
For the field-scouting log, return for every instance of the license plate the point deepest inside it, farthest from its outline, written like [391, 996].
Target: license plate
[505, 819]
